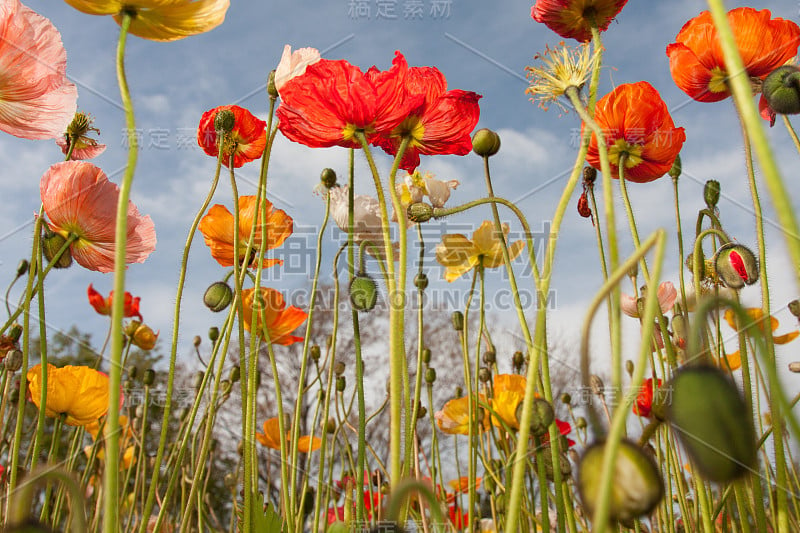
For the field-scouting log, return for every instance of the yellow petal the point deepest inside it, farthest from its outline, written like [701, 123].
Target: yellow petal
[783, 339]
[733, 362]
[454, 250]
[485, 239]
[96, 7]
[170, 20]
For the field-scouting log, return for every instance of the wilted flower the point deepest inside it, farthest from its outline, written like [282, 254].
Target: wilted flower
[37, 101]
[459, 255]
[562, 67]
[79, 200]
[77, 134]
[160, 20]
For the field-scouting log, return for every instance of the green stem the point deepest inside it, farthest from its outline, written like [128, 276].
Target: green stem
[112, 429]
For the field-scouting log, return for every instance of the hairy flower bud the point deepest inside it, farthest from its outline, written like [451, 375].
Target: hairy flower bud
[218, 296]
[794, 366]
[315, 352]
[711, 193]
[736, 265]
[543, 416]
[22, 267]
[272, 89]
[197, 341]
[213, 333]
[363, 293]
[675, 170]
[419, 212]
[51, 244]
[781, 89]
[421, 281]
[485, 142]
[341, 383]
[328, 177]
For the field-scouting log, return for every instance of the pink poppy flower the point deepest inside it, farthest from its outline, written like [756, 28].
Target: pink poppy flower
[667, 294]
[294, 64]
[36, 99]
[78, 199]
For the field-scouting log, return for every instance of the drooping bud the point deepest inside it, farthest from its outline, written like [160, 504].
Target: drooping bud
[225, 121]
[51, 244]
[566, 398]
[675, 170]
[15, 332]
[781, 89]
[736, 265]
[218, 296]
[636, 487]
[213, 334]
[197, 341]
[458, 320]
[711, 193]
[363, 293]
[198, 379]
[518, 359]
[580, 422]
[485, 142]
[421, 281]
[272, 89]
[419, 212]
[596, 384]
[712, 421]
[328, 177]
[22, 267]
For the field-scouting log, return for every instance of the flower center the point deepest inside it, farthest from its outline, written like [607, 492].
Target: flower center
[632, 152]
[718, 82]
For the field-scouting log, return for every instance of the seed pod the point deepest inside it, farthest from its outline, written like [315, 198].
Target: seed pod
[224, 121]
[13, 360]
[426, 356]
[363, 293]
[636, 486]
[711, 419]
[589, 176]
[484, 375]
[489, 357]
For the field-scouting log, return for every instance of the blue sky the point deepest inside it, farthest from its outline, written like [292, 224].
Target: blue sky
[479, 46]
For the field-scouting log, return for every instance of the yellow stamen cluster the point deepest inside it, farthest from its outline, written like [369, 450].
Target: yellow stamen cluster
[562, 67]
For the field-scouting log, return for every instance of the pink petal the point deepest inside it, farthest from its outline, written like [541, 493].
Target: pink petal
[629, 305]
[667, 294]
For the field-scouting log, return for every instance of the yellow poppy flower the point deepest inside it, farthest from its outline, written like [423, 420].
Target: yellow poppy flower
[161, 20]
[733, 361]
[79, 392]
[453, 419]
[460, 255]
[508, 390]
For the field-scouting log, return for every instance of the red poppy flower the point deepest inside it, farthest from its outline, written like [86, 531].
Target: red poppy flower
[564, 429]
[696, 61]
[644, 401]
[636, 122]
[441, 125]
[458, 518]
[573, 19]
[103, 305]
[247, 139]
[334, 99]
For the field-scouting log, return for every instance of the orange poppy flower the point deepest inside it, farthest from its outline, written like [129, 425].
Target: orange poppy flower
[103, 305]
[508, 390]
[573, 19]
[78, 199]
[271, 438]
[37, 101]
[441, 125]
[276, 318]
[332, 100]
[696, 61]
[733, 361]
[453, 419]
[246, 140]
[217, 229]
[79, 392]
[636, 122]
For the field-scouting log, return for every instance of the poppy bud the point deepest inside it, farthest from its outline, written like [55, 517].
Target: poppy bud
[224, 121]
[338, 368]
[711, 193]
[543, 416]
[794, 308]
[421, 412]
[198, 379]
[793, 366]
[421, 281]
[13, 360]
[596, 385]
[22, 267]
[315, 352]
[458, 320]
[51, 244]
[235, 374]
[711, 419]
[197, 341]
[580, 422]
[419, 212]
[547, 461]
[680, 330]
[149, 377]
[736, 265]
[328, 177]
[330, 426]
[341, 383]
[272, 89]
[675, 170]
[484, 374]
[583, 206]
[589, 176]
[485, 142]
[218, 296]
[629, 367]
[566, 399]
[15, 332]
[213, 334]
[489, 357]
[781, 89]
[426, 356]
[636, 487]
[430, 376]
[142, 336]
[363, 293]
[518, 359]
